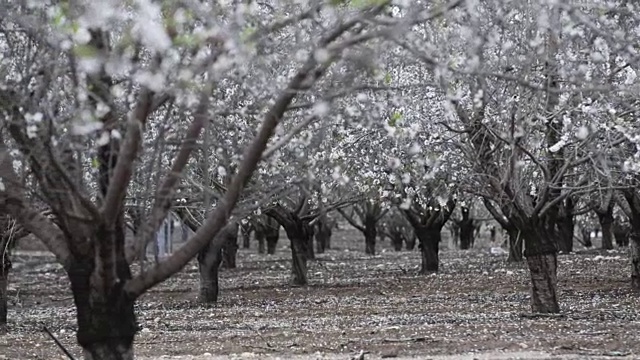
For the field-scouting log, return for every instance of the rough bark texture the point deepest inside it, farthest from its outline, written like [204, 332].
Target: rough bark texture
[429, 248]
[543, 270]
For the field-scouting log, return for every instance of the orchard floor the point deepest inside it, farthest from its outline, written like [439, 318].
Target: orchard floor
[471, 310]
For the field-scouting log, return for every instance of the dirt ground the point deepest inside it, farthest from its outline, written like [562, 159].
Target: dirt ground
[355, 304]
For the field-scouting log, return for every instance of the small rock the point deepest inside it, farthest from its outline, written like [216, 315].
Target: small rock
[389, 354]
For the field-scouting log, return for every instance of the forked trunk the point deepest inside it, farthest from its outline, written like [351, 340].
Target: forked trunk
[515, 245]
[544, 281]
[246, 235]
[634, 254]
[429, 248]
[208, 266]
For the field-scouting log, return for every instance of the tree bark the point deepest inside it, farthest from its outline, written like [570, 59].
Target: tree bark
[5, 266]
[298, 232]
[621, 233]
[543, 269]
[323, 234]
[606, 222]
[208, 265]
[515, 245]
[210, 258]
[586, 237]
[634, 253]
[260, 237]
[429, 248]
[106, 318]
[246, 230]
[272, 234]
[541, 254]
[230, 248]
[370, 234]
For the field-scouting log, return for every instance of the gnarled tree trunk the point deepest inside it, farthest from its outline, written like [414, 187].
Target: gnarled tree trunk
[621, 233]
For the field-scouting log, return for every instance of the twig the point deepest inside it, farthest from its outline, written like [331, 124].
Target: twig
[64, 350]
[541, 315]
[411, 339]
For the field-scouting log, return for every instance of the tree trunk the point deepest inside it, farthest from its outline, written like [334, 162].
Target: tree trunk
[208, 265]
[565, 234]
[272, 234]
[230, 248]
[543, 269]
[246, 229]
[634, 253]
[299, 260]
[586, 237]
[260, 235]
[466, 234]
[5, 266]
[106, 318]
[515, 245]
[323, 236]
[397, 238]
[621, 233]
[606, 222]
[429, 248]
[370, 234]
[541, 254]
[410, 242]
[310, 233]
